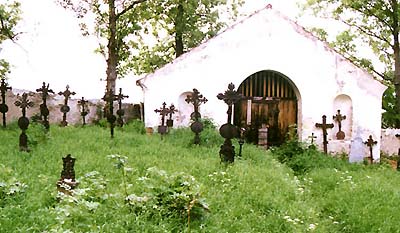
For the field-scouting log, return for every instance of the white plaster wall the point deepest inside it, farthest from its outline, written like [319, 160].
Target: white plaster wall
[269, 41]
[390, 143]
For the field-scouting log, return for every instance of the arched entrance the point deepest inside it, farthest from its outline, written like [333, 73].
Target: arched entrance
[270, 99]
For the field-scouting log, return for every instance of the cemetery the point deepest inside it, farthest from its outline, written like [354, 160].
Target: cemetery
[243, 142]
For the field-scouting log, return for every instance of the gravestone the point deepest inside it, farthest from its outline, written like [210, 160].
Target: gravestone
[196, 99]
[44, 111]
[340, 135]
[227, 130]
[356, 154]
[3, 106]
[109, 98]
[23, 122]
[370, 143]
[84, 109]
[324, 126]
[67, 181]
[120, 111]
[65, 108]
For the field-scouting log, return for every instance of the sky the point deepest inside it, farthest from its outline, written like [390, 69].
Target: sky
[51, 49]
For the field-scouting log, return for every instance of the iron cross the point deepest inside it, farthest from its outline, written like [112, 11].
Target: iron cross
[23, 121]
[339, 118]
[65, 108]
[163, 112]
[230, 97]
[44, 111]
[324, 126]
[172, 110]
[370, 143]
[120, 111]
[312, 138]
[110, 97]
[196, 99]
[84, 111]
[3, 106]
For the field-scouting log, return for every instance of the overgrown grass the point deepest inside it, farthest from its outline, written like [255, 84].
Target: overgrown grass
[151, 184]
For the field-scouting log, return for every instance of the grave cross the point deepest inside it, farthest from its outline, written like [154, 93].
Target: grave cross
[84, 110]
[65, 108]
[340, 135]
[3, 106]
[120, 111]
[312, 136]
[229, 131]
[67, 181]
[23, 121]
[324, 126]
[196, 99]
[110, 97]
[172, 110]
[370, 143]
[163, 111]
[44, 111]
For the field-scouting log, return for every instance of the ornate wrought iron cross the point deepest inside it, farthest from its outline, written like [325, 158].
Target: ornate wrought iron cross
[370, 143]
[65, 108]
[23, 122]
[120, 111]
[170, 121]
[340, 135]
[3, 106]
[44, 111]
[196, 99]
[324, 126]
[110, 97]
[229, 131]
[67, 181]
[163, 111]
[84, 110]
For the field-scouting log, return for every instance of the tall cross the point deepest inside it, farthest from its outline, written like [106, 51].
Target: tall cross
[84, 111]
[163, 111]
[120, 111]
[44, 111]
[324, 126]
[230, 97]
[110, 97]
[340, 135]
[196, 99]
[65, 108]
[370, 143]
[3, 106]
[23, 121]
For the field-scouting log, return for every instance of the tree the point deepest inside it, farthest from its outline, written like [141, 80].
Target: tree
[377, 24]
[9, 17]
[124, 26]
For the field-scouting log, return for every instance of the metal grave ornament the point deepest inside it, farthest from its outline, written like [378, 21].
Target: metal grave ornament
[312, 137]
[196, 99]
[370, 143]
[324, 126]
[67, 181]
[340, 135]
[170, 121]
[65, 108]
[23, 121]
[44, 111]
[229, 131]
[84, 109]
[109, 97]
[163, 111]
[120, 111]
[3, 106]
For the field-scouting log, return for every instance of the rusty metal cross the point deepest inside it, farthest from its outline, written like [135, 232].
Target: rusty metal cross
[370, 143]
[23, 122]
[120, 111]
[110, 97]
[163, 111]
[324, 126]
[65, 108]
[84, 110]
[172, 110]
[230, 97]
[3, 106]
[196, 99]
[340, 135]
[44, 111]
[312, 136]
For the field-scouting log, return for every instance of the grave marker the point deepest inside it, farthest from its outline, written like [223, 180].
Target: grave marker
[65, 108]
[23, 122]
[370, 143]
[3, 106]
[67, 181]
[340, 135]
[196, 99]
[324, 126]
[44, 111]
[109, 97]
[120, 111]
[84, 110]
[163, 111]
[172, 110]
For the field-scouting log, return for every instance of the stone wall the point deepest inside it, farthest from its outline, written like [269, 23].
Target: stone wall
[390, 144]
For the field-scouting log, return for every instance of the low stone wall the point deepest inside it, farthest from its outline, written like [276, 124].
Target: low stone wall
[390, 144]
[54, 103]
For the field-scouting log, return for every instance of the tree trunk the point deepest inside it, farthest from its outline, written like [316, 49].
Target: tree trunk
[112, 59]
[179, 25]
[396, 53]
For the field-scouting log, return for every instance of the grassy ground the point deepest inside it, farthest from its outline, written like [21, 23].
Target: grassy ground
[150, 185]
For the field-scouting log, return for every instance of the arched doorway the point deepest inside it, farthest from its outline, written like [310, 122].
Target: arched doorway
[270, 99]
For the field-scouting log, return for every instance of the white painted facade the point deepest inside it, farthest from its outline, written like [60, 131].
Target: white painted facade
[324, 81]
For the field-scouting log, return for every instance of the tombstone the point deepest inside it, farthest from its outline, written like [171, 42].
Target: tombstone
[340, 135]
[120, 111]
[324, 126]
[196, 99]
[170, 121]
[370, 143]
[84, 109]
[67, 181]
[23, 121]
[163, 111]
[356, 154]
[109, 98]
[3, 106]
[44, 111]
[229, 131]
[65, 108]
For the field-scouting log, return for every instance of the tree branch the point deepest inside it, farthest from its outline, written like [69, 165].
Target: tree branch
[129, 7]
